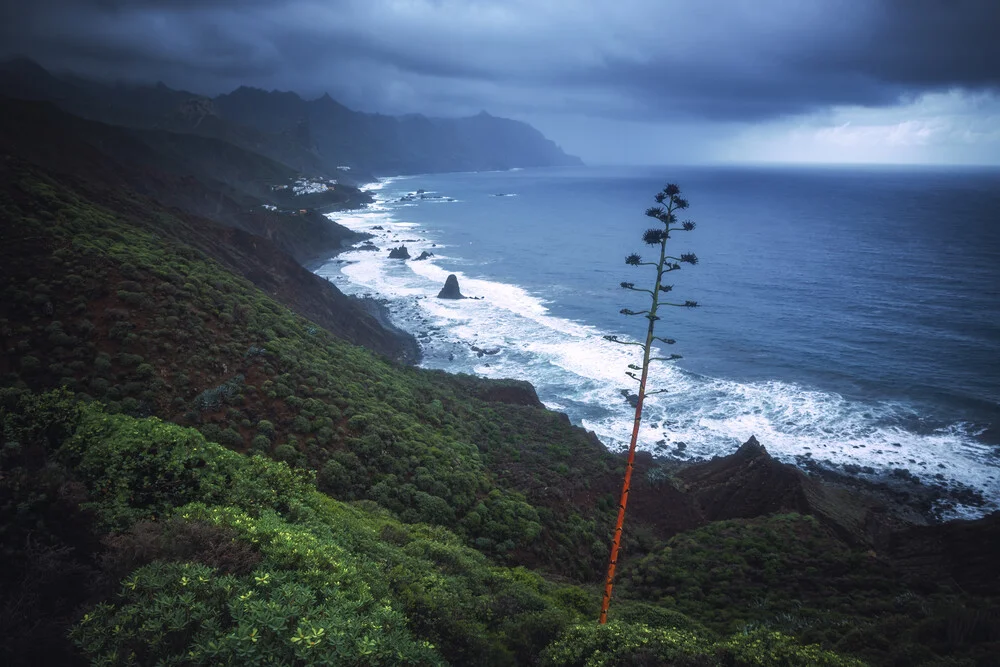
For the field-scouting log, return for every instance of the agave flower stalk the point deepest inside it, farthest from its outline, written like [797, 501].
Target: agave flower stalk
[657, 238]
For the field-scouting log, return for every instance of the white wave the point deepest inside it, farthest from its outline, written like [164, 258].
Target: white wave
[577, 371]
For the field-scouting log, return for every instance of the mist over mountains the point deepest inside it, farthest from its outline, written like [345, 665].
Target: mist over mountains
[319, 136]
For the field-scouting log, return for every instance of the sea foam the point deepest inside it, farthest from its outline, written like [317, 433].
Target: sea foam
[509, 332]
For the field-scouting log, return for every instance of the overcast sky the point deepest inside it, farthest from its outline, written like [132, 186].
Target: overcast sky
[626, 81]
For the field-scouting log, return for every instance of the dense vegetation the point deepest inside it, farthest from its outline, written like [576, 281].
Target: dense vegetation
[224, 558]
[150, 326]
[221, 480]
[788, 573]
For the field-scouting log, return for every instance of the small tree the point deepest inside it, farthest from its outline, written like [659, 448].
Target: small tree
[657, 238]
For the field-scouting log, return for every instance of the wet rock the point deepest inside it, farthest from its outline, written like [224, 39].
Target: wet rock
[451, 289]
[399, 253]
[423, 255]
[633, 399]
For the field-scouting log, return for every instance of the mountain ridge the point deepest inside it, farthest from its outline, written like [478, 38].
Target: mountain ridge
[317, 135]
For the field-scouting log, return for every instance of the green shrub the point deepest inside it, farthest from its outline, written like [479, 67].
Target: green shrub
[265, 428]
[617, 643]
[185, 613]
[261, 444]
[324, 580]
[287, 453]
[593, 645]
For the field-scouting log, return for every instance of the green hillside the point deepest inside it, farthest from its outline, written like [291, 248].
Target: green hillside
[209, 456]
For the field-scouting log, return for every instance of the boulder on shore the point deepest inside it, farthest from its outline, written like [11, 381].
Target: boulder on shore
[450, 289]
[424, 255]
[399, 253]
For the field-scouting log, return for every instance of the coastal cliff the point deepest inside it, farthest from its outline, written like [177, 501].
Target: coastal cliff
[189, 418]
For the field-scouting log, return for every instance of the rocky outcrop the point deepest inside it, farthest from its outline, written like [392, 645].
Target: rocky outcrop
[746, 484]
[750, 483]
[632, 399]
[399, 253]
[423, 255]
[450, 289]
[512, 392]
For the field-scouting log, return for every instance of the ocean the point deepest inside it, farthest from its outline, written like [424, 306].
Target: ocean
[847, 315]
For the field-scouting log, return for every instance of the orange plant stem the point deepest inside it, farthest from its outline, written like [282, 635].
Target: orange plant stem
[630, 464]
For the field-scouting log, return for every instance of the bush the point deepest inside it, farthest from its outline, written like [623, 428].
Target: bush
[617, 643]
[326, 588]
[265, 428]
[287, 453]
[261, 444]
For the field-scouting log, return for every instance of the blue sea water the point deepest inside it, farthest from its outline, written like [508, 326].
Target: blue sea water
[851, 315]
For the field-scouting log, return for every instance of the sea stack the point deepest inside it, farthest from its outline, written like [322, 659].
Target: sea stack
[399, 253]
[450, 289]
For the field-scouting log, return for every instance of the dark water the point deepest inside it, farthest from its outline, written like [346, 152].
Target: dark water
[852, 314]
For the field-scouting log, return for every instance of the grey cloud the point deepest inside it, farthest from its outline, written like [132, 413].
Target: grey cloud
[632, 59]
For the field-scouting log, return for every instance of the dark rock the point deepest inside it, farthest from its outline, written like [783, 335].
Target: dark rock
[751, 483]
[633, 399]
[423, 255]
[399, 253]
[378, 227]
[512, 392]
[450, 289]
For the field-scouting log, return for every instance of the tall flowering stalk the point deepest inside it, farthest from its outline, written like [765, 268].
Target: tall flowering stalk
[669, 202]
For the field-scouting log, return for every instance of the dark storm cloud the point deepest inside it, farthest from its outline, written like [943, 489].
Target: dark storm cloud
[633, 59]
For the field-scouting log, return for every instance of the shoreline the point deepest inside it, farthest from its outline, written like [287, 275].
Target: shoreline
[934, 500]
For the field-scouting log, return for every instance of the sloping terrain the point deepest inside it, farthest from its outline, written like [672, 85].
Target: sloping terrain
[204, 177]
[204, 537]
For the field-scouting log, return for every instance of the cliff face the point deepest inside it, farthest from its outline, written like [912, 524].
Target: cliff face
[205, 177]
[116, 169]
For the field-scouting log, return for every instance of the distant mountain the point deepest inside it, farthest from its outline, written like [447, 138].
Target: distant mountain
[311, 136]
[153, 107]
[390, 144]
